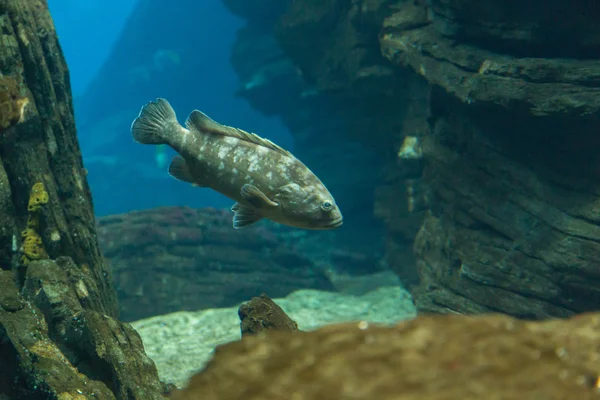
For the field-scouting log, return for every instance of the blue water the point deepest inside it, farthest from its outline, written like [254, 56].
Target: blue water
[88, 32]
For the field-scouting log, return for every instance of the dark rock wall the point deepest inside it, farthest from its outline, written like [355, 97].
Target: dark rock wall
[318, 67]
[501, 99]
[512, 153]
[59, 335]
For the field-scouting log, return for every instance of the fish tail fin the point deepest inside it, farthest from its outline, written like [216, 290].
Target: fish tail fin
[155, 124]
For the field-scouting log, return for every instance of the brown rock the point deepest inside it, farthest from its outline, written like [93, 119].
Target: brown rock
[431, 357]
[43, 148]
[55, 344]
[540, 86]
[86, 337]
[261, 313]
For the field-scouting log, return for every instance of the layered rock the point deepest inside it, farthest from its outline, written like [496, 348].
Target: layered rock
[177, 258]
[506, 132]
[511, 152]
[59, 333]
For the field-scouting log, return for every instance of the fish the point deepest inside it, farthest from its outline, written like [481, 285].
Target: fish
[265, 180]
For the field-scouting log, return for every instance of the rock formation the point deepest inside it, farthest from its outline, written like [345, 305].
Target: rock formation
[176, 258]
[261, 314]
[511, 153]
[485, 116]
[486, 357]
[59, 336]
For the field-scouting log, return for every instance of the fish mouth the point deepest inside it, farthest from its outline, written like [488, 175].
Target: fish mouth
[335, 223]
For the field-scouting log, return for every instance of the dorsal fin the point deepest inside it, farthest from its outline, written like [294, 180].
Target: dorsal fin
[201, 122]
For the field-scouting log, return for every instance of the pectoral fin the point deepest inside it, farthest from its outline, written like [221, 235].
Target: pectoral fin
[244, 216]
[180, 170]
[254, 196]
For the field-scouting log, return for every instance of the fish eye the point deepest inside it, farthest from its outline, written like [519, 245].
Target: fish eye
[326, 206]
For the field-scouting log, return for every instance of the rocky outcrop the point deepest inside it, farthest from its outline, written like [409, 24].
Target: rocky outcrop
[55, 345]
[261, 314]
[59, 335]
[492, 357]
[511, 152]
[177, 258]
[487, 113]
[328, 117]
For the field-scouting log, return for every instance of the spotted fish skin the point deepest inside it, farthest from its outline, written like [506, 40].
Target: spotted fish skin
[265, 180]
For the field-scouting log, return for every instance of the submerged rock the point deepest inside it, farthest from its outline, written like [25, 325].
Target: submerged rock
[433, 357]
[56, 345]
[178, 258]
[262, 313]
[528, 82]
[182, 343]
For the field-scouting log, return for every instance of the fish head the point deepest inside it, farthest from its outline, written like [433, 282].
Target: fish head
[309, 207]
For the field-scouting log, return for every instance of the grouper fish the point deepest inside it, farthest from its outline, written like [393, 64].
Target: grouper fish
[265, 180]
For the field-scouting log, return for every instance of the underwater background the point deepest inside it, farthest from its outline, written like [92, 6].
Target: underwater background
[459, 140]
[193, 71]
[171, 246]
[238, 76]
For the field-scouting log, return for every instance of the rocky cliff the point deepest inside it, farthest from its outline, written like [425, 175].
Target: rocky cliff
[59, 333]
[484, 115]
[511, 153]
